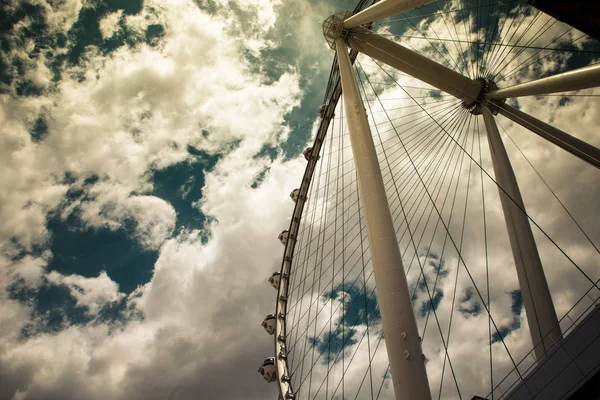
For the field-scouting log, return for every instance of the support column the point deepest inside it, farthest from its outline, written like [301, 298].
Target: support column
[541, 317]
[582, 78]
[382, 9]
[414, 64]
[399, 323]
[579, 148]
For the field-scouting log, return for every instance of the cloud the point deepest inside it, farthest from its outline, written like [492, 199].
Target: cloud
[232, 90]
[91, 293]
[109, 122]
[108, 24]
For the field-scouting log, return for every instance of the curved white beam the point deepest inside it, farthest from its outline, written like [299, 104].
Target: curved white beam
[575, 146]
[414, 64]
[541, 316]
[382, 9]
[582, 78]
[400, 328]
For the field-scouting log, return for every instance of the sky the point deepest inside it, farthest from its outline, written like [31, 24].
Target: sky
[148, 149]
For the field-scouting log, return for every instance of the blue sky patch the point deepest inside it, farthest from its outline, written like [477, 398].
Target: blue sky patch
[332, 343]
[12, 37]
[259, 178]
[181, 185]
[469, 304]
[433, 303]
[267, 151]
[86, 31]
[343, 333]
[86, 251]
[53, 307]
[39, 129]
[357, 310]
[516, 309]
[27, 21]
[428, 280]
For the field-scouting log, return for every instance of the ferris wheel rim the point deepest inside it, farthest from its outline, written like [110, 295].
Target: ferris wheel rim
[285, 388]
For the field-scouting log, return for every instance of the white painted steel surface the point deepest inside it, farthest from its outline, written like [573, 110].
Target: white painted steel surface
[541, 316]
[399, 324]
[407, 61]
[382, 9]
[577, 147]
[582, 78]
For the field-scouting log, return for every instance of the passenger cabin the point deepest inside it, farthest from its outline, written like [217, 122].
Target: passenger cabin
[283, 237]
[269, 324]
[295, 194]
[322, 110]
[307, 153]
[274, 279]
[268, 370]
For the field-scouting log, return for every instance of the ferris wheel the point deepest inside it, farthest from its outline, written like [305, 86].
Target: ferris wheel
[442, 196]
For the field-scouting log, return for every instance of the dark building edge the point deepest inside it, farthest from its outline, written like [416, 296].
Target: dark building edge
[582, 15]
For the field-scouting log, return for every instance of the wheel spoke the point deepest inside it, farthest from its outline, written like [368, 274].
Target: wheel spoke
[583, 78]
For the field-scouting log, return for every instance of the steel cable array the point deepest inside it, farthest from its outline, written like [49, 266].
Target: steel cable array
[444, 201]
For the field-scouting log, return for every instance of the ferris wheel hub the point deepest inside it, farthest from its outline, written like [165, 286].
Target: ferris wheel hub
[333, 27]
[475, 106]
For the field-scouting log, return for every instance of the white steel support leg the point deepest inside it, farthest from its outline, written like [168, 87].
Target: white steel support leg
[541, 317]
[382, 9]
[582, 78]
[577, 147]
[414, 64]
[399, 324]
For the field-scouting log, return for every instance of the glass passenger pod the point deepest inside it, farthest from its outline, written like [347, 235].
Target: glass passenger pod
[295, 194]
[323, 110]
[308, 153]
[268, 369]
[283, 237]
[269, 324]
[274, 279]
